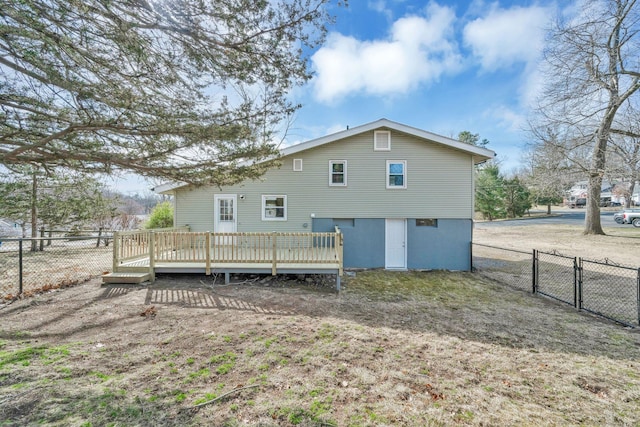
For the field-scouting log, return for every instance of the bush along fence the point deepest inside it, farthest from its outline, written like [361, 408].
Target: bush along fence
[32, 265]
[602, 288]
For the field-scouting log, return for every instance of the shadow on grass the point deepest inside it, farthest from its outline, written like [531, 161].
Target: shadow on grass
[464, 305]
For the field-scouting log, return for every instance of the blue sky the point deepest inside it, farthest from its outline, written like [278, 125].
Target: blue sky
[442, 66]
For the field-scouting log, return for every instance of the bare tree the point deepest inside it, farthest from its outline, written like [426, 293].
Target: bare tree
[624, 161]
[592, 68]
[549, 171]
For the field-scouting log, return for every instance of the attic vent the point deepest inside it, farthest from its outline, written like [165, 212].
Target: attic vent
[297, 165]
[382, 140]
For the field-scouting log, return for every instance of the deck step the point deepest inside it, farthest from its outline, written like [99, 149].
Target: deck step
[126, 277]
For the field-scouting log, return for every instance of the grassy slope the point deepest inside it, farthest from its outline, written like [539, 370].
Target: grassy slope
[392, 349]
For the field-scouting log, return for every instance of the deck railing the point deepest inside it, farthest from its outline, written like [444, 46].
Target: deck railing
[217, 249]
[135, 245]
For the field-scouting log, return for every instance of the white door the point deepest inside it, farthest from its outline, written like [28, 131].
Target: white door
[395, 243]
[225, 215]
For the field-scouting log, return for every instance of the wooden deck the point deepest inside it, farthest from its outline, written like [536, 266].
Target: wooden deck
[142, 254]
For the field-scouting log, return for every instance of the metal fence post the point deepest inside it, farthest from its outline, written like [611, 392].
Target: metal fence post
[638, 294]
[42, 239]
[20, 266]
[575, 282]
[578, 289]
[534, 272]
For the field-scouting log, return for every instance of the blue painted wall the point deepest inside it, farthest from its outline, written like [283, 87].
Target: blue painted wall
[445, 247]
[363, 240]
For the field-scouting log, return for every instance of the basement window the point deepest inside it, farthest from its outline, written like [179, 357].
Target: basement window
[426, 222]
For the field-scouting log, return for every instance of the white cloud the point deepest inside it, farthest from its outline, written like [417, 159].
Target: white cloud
[380, 6]
[507, 36]
[507, 118]
[417, 51]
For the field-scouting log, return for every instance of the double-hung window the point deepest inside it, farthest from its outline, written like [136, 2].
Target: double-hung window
[274, 208]
[396, 174]
[338, 173]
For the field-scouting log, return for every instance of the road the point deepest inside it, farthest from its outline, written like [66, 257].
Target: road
[572, 217]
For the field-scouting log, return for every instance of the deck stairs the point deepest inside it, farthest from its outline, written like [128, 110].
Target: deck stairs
[128, 275]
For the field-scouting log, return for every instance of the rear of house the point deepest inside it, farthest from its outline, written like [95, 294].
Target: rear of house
[402, 197]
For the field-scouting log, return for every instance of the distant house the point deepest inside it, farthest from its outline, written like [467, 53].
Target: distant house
[610, 194]
[9, 228]
[402, 197]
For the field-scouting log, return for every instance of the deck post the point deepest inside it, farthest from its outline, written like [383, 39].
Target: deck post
[207, 252]
[340, 255]
[339, 250]
[338, 282]
[274, 253]
[116, 249]
[152, 258]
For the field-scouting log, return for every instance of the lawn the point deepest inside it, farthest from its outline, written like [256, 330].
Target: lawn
[402, 349]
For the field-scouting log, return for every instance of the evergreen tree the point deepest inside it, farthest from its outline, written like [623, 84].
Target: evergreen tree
[490, 194]
[517, 198]
[191, 91]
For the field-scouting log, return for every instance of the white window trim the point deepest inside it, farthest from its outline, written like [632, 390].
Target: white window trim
[297, 165]
[264, 200]
[333, 184]
[375, 140]
[386, 175]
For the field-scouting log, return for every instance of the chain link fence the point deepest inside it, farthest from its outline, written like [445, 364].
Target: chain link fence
[605, 289]
[29, 266]
[508, 266]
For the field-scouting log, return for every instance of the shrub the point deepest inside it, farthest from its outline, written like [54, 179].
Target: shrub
[161, 216]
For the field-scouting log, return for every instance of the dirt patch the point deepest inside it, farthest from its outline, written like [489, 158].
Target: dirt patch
[414, 348]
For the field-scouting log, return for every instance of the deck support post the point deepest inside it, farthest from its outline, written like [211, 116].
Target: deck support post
[227, 278]
[274, 253]
[116, 249]
[152, 258]
[207, 251]
[338, 282]
[340, 252]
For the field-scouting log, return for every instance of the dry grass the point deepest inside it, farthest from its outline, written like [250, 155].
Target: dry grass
[402, 349]
[61, 264]
[620, 245]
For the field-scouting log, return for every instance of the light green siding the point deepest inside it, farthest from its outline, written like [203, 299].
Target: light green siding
[439, 185]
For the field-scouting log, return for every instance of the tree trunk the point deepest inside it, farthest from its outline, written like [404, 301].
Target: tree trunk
[592, 223]
[548, 208]
[34, 213]
[629, 201]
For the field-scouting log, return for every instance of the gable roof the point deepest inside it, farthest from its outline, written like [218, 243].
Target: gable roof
[479, 154]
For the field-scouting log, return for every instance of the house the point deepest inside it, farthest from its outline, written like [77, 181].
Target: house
[402, 197]
[611, 193]
[10, 228]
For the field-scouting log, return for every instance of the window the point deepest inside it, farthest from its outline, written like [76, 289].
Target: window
[382, 140]
[396, 174]
[426, 222]
[338, 173]
[297, 165]
[225, 210]
[274, 208]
